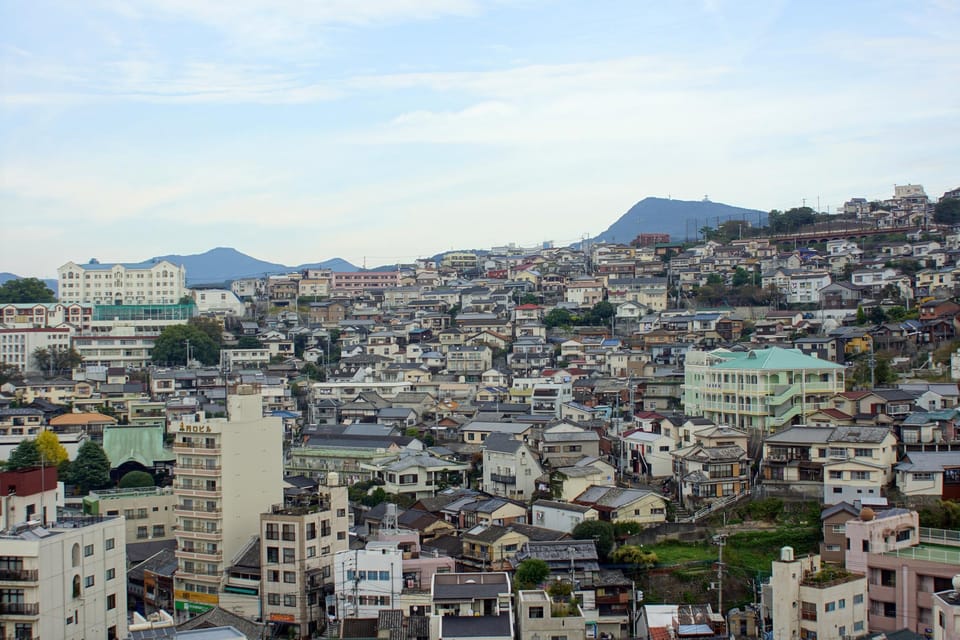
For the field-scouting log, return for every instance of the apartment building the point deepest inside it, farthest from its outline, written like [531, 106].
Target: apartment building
[228, 472]
[538, 616]
[17, 346]
[149, 512]
[471, 605]
[44, 315]
[946, 612]
[905, 566]
[299, 541]
[144, 283]
[510, 469]
[762, 389]
[807, 600]
[368, 580]
[64, 580]
[29, 495]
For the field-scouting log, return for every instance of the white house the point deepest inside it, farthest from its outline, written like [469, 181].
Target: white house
[510, 468]
[369, 580]
[561, 516]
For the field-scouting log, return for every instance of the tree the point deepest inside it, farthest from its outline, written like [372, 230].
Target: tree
[877, 315]
[558, 318]
[634, 554]
[24, 456]
[49, 447]
[209, 326]
[136, 479]
[861, 316]
[26, 290]
[741, 277]
[528, 298]
[947, 211]
[531, 573]
[599, 531]
[171, 345]
[55, 361]
[249, 342]
[91, 469]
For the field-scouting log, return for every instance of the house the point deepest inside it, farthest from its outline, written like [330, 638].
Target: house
[647, 454]
[930, 473]
[416, 474]
[560, 516]
[538, 616]
[510, 468]
[471, 605]
[576, 478]
[833, 521]
[565, 443]
[705, 474]
[618, 504]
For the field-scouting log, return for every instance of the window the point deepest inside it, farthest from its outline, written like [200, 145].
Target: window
[142, 533]
[341, 535]
[836, 475]
[111, 573]
[858, 626]
[289, 534]
[311, 552]
[273, 576]
[159, 531]
[842, 604]
[808, 611]
[274, 599]
[311, 530]
[290, 577]
[830, 606]
[839, 528]
[289, 555]
[273, 555]
[842, 631]
[858, 598]
[536, 612]
[109, 544]
[341, 513]
[273, 531]
[385, 575]
[289, 600]
[865, 546]
[75, 555]
[88, 582]
[904, 535]
[860, 475]
[111, 601]
[88, 551]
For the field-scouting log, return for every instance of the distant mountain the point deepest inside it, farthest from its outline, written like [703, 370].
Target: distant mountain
[680, 218]
[50, 282]
[224, 264]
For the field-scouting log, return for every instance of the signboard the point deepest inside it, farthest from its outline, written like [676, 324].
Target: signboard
[192, 607]
[193, 596]
[281, 617]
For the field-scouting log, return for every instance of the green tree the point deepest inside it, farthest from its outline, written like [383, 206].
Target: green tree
[531, 573]
[49, 447]
[634, 554]
[171, 345]
[24, 456]
[528, 298]
[249, 342]
[715, 279]
[599, 531]
[603, 311]
[90, 469]
[558, 318]
[25, 290]
[877, 315]
[897, 314]
[136, 479]
[56, 361]
[947, 211]
[861, 316]
[741, 277]
[209, 326]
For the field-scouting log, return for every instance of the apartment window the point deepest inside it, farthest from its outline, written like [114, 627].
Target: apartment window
[858, 598]
[341, 535]
[111, 573]
[385, 575]
[273, 555]
[841, 604]
[904, 535]
[858, 626]
[109, 544]
[142, 533]
[311, 552]
[88, 582]
[836, 475]
[839, 528]
[289, 600]
[273, 531]
[289, 555]
[274, 599]
[111, 601]
[341, 513]
[536, 612]
[808, 611]
[159, 531]
[860, 475]
[863, 453]
[289, 534]
[88, 551]
[830, 606]
[290, 577]
[865, 546]
[311, 530]
[273, 576]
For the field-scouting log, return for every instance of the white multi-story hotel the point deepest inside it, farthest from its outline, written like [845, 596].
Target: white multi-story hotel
[228, 472]
[160, 282]
[65, 580]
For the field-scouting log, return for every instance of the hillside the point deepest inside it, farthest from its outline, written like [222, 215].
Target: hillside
[224, 263]
[50, 282]
[680, 218]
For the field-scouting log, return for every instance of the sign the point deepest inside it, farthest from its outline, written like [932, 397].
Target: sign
[192, 607]
[194, 428]
[282, 617]
[193, 596]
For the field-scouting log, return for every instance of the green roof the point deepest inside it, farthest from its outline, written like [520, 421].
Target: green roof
[773, 358]
[143, 445]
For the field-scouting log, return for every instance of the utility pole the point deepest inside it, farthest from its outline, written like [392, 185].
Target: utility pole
[720, 540]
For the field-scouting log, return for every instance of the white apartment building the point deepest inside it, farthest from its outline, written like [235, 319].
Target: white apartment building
[369, 580]
[160, 282]
[228, 472]
[66, 580]
[298, 545]
[17, 346]
[807, 601]
[219, 302]
[149, 512]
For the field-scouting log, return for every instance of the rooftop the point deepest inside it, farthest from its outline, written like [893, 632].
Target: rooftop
[929, 553]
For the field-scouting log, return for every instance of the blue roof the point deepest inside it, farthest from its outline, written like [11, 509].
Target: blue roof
[106, 266]
[284, 414]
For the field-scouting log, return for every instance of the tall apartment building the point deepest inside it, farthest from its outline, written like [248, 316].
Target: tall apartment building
[65, 580]
[762, 389]
[298, 543]
[806, 601]
[228, 472]
[160, 282]
[17, 346]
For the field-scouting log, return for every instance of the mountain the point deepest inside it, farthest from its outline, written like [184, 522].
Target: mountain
[224, 263]
[50, 282]
[682, 219]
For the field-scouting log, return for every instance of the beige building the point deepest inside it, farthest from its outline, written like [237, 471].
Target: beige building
[66, 580]
[160, 282]
[228, 472]
[297, 548]
[807, 601]
[540, 617]
[946, 612]
[149, 512]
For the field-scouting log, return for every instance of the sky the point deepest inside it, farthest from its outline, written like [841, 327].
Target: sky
[385, 130]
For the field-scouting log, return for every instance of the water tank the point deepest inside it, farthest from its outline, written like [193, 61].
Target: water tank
[786, 554]
[867, 514]
[333, 479]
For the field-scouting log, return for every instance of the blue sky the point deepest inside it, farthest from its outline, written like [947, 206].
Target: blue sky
[384, 130]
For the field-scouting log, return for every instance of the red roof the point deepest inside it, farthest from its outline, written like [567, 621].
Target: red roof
[659, 633]
[528, 307]
[836, 414]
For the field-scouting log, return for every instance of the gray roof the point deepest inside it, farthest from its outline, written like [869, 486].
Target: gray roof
[611, 497]
[476, 626]
[502, 443]
[565, 506]
[496, 427]
[929, 461]
[574, 436]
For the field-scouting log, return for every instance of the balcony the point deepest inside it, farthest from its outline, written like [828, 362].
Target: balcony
[19, 575]
[199, 470]
[198, 509]
[19, 608]
[502, 478]
[197, 491]
[197, 554]
[197, 448]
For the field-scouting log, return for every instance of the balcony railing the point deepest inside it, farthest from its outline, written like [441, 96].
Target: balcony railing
[18, 575]
[200, 447]
[19, 608]
[502, 478]
[196, 509]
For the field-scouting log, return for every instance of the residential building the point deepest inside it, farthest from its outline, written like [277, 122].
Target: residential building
[19, 346]
[368, 580]
[538, 616]
[146, 283]
[760, 389]
[935, 474]
[617, 504]
[565, 443]
[418, 475]
[29, 495]
[807, 600]
[64, 580]
[833, 523]
[228, 472]
[946, 612]
[299, 541]
[469, 361]
[471, 605]
[149, 513]
[510, 468]
[705, 474]
[561, 516]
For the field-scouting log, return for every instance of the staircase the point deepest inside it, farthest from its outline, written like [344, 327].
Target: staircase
[333, 629]
[712, 507]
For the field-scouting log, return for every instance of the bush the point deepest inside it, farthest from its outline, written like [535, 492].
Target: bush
[136, 480]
